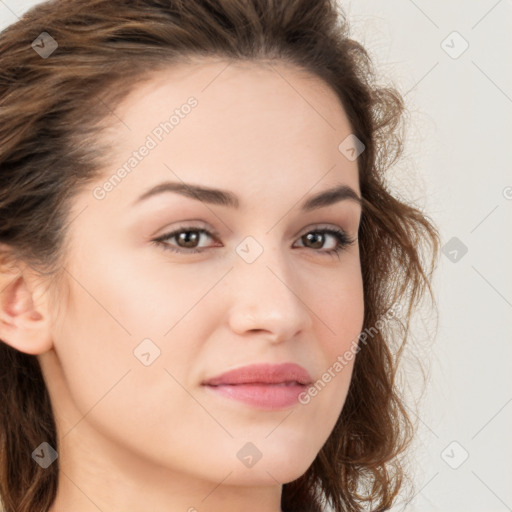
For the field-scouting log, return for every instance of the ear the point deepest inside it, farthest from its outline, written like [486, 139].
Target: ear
[24, 318]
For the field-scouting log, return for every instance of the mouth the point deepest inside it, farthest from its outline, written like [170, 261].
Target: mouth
[275, 384]
[262, 396]
[262, 386]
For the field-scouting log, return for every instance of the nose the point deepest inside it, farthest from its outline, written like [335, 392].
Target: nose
[266, 299]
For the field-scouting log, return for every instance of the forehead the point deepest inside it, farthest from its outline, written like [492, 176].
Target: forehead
[223, 84]
[252, 123]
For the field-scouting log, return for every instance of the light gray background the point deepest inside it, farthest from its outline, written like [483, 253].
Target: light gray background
[457, 167]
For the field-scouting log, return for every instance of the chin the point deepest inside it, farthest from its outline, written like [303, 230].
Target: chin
[283, 465]
[267, 475]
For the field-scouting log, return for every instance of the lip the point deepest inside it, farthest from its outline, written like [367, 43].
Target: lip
[264, 386]
[263, 374]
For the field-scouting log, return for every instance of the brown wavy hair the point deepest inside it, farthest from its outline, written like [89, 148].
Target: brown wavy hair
[50, 114]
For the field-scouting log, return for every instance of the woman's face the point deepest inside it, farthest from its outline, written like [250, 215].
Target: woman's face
[144, 327]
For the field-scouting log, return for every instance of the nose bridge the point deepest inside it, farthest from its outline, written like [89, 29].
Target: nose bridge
[266, 295]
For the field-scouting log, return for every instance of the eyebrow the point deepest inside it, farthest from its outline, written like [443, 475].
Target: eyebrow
[228, 199]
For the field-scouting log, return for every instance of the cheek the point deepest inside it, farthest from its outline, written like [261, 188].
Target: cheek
[105, 379]
[92, 347]
[341, 310]
[122, 322]
[342, 315]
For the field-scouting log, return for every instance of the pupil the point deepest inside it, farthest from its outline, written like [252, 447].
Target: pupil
[319, 239]
[185, 237]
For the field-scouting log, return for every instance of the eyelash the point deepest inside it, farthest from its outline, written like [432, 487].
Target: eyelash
[343, 240]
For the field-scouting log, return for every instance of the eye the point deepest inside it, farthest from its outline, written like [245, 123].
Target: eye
[318, 237]
[187, 239]
[187, 236]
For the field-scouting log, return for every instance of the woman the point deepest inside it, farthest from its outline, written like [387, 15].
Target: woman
[206, 284]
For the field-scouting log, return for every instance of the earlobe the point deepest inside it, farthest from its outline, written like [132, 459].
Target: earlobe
[24, 318]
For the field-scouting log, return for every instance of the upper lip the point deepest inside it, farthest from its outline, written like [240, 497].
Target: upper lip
[263, 374]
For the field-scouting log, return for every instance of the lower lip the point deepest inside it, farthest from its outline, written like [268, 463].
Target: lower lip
[263, 396]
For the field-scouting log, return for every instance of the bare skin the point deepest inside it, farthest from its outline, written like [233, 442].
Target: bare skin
[138, 437]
